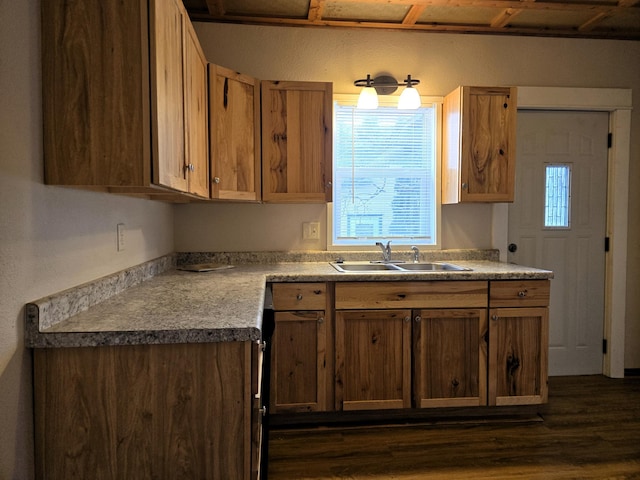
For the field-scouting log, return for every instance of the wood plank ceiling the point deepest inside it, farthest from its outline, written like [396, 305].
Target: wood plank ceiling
[601, 19]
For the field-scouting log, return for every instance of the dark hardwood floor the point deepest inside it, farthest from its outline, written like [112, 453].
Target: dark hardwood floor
[590, 429]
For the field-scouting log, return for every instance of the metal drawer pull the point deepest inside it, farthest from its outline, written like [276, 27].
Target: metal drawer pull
[418, 318]
[523, 293]
[299, 296]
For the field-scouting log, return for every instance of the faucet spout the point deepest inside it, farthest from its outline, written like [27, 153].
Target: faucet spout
[386, 251]
[416, 254]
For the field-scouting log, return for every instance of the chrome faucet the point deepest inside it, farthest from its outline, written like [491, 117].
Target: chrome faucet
[386, 251]
[416, 254]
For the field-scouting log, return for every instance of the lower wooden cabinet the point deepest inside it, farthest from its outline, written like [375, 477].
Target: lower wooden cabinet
[299, 374]
[373, 359]
[518, 342]
[301, 349]
[414, 344]
[450, 358]
[146, 411]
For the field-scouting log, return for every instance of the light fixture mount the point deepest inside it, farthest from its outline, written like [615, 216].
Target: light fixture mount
[385, 84]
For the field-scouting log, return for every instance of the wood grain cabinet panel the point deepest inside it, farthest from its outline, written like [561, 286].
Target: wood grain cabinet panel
[196, 114]
[297, 119]
[234, 135]
[519, 342]
[148, 411]
[450, 357]
[114, 97]
[299, 373]
[479, 145]
[373, 359]
[301, 348]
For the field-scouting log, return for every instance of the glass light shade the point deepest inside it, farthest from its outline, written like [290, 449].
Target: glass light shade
[409, 99]
[368, 98]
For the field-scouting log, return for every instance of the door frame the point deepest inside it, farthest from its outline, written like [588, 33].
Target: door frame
[616, 101]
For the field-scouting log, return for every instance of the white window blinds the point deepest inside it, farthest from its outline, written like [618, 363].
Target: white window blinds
[384, 176]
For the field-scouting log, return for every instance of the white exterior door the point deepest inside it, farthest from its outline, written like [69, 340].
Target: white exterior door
[558, 222]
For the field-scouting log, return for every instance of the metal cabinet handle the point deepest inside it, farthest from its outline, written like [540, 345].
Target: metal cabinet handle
[464, 186]
[407, 318]
[299, 296]
[321, 320]
[191, 167]
[494, 317]
[418, 318]
[216, 179]
[263, 411]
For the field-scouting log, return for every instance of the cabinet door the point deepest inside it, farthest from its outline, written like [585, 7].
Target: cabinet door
[195, 114]
[167, 94]
[95, 83]
[450, 357]
[296, 142]
[234, 101]
[298, 372]
[479, 132]
[144, 411]
[373, 359]
[518, 352]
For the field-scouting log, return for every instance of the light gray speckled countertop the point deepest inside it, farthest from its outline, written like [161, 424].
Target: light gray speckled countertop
[174, 306]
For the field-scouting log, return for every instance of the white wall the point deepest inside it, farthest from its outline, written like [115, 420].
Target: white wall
[51, 238]
[441, 62]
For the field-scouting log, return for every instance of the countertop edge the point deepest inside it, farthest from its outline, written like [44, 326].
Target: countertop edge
[242, 291]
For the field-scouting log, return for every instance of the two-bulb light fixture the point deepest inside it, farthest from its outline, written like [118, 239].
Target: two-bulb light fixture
[386, 85]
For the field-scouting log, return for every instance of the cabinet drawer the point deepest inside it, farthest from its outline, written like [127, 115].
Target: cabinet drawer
[299, 296]
[519, 293]
[429, 294]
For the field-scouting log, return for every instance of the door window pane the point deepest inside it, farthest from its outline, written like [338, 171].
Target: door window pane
[557, 207]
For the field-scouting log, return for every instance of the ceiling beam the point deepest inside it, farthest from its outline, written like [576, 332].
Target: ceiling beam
[316, 7]
[413, 14]
[581, 5]
[503, 18]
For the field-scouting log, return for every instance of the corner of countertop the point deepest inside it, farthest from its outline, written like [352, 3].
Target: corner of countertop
[47, 311]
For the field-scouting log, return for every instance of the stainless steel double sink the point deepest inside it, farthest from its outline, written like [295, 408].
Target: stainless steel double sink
[397, 267]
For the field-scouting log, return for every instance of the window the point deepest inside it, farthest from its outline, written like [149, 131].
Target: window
[385, 176]
[557, 196]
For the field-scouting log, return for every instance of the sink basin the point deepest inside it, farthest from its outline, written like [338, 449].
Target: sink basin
[432, 267]
[395, 267]
[364, 267]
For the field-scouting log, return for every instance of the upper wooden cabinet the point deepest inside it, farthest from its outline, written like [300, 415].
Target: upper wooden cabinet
[478, 148]
[196, 114]
[122, 83]
[296, 142]
[234, 106]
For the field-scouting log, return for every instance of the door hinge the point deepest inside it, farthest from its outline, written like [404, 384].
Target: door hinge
[606, 244]
[609, 140]
[604, 346]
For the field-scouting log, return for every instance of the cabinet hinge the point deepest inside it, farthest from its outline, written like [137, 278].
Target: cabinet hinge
[604, 346]
[609, 140]
[606, 244]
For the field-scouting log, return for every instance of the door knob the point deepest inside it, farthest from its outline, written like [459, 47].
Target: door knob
[512, 247]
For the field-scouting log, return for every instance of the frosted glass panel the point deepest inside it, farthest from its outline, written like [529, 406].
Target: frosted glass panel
[557, 206]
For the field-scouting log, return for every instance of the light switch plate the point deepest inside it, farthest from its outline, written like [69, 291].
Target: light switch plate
[311, 231]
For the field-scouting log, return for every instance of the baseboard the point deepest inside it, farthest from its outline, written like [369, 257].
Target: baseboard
[632, 372]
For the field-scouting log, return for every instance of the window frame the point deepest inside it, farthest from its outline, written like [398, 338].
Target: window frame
[392, 101]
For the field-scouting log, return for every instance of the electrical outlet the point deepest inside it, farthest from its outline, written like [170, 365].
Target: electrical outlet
[120, 236]
[311, 231]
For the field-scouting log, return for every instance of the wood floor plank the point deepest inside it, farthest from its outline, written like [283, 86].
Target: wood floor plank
[590, 430]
